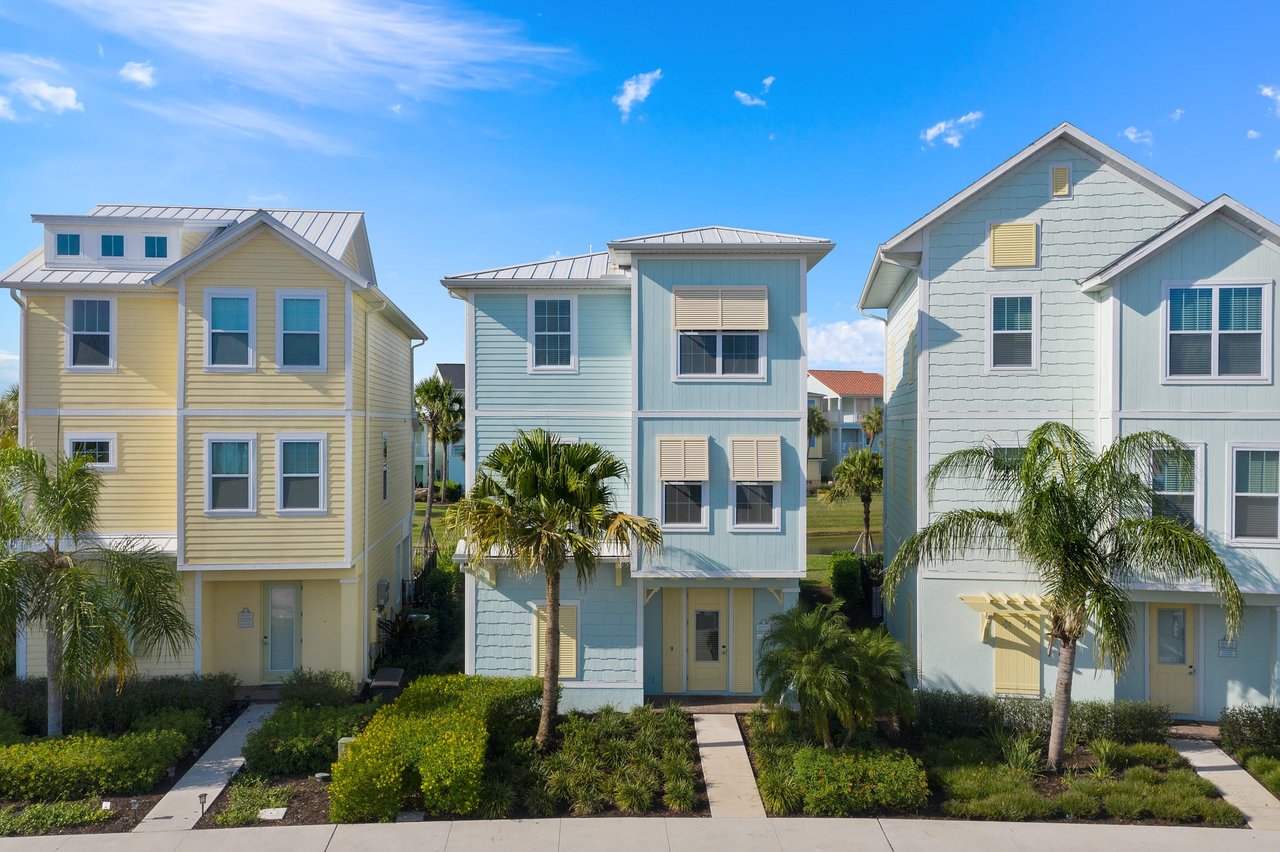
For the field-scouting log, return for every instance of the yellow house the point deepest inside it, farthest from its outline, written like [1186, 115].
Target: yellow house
[245, 389]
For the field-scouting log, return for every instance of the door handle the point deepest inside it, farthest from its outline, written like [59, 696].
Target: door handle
[1191, 670]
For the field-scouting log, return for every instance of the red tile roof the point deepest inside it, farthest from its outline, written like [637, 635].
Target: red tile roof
[851, 382]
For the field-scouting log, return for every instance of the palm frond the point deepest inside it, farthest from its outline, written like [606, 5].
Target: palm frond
[947, 537]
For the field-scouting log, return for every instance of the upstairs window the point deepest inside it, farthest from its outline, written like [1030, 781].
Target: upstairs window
[301, 479]
[551, 331]
[301, 320]
[1173, 479]
[98, 450]
[90, 336]
[720, 331]
[156, 246]
[1256, 501]
[714, 353]
[67, 245]
[1013, 245]
[683, 469]
[682, 504]
[230, 474]
[755, 467]
[1014, 343]
[1218, 332]
[753, 505]
[113, 245]
[231, 326]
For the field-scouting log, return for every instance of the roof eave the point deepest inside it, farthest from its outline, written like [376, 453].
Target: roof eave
[615, 282]
[813, 251]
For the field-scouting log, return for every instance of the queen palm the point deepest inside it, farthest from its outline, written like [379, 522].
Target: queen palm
[440, 408]
[539, 503]
[101, 607]
[1081, 520]
[859, 474]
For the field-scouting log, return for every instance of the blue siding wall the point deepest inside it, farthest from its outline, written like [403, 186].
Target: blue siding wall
[613, 433]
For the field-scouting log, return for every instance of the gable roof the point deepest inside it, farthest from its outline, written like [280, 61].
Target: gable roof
[850, 382]
[454, 374]
[717, 235]
[579, 267]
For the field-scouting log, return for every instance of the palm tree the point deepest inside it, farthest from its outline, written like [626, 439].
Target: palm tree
[834, 673]
[452, 435]
[873, 424]
[1082, 521]
[537, 503]
[438, 406]
[859, 474]
[9, 418]
[102, 607]
[819, 425]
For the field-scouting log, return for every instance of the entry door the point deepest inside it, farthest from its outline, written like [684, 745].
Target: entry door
[282, 644]
[708, 632]
[1172, 677]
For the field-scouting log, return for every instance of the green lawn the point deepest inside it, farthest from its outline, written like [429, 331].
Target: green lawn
[836, 527]
[447, 540]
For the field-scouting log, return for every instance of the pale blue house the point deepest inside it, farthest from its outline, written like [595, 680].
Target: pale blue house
[684, 354]
[1071, 283]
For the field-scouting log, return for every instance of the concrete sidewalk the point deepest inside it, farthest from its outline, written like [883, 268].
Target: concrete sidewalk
[731, 784]
[675, 835]
[1237, 786]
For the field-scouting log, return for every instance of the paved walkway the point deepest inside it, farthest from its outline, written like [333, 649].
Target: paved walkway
[731, 785]
[1238, 787]
[179, 810]
[673, 835]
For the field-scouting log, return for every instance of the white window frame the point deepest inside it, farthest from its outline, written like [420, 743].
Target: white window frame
[774, 526]
[1231, 496]
[113, 258]
[230, 293]
[209, 439]
[989, 343]
[69, 438]
[1197, 469]
[704, 525]
[167, 252]
[77, 234]
[762, 368]
[1212, 377]
[572, 299]
[1071, 188]
[68, 325]
[323, 297]
[986, 245]
[533, 632]
[320, 438]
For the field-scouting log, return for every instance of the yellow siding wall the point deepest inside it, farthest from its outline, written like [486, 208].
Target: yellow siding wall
[264, 537]
[390, 391]
[146, 348]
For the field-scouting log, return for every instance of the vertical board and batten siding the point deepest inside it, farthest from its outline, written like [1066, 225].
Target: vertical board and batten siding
[784, 386]
[146, 375]
[1217, 251]
[612, 433]
[265, 264]
[1105, 216]
[719, 550]
[602, 381]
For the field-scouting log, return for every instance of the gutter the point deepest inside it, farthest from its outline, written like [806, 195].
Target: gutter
[364, 604]
[20, 649]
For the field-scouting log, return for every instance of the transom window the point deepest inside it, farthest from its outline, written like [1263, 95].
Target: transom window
[156, 246]
[1173, 479]
[67, 245]
[230, 467]
[300, 478]
[113, 245]
[719, 353]
[1013, 332]
[553, 334]
[230, 330]
[1217, 331]
[301, 331]
[753, 504]
[1257, 494]
[682, 504]
[90, 333]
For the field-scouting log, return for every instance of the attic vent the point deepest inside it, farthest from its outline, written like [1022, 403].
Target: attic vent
[1061, 181]
[1012, 244]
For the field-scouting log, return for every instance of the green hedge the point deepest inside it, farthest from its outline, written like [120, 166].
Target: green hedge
[1255, 728]
[318, 687]
[846, 577]
[295, 739]
[959, 714]
[110, 712]
[429, 747]
[76, 766]
[46, 817]
[192, 724]
[10, 729]
[847, 783]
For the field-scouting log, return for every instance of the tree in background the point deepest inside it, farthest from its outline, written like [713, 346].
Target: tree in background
[873, 424]
[860, 474]
[450, 436]
[9, 418]
[440, 408]
[819, 425]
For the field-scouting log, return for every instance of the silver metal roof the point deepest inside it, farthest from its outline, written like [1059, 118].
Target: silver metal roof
[582, 267]
[717, 235]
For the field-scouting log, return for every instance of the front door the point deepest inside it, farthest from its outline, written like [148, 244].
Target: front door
[708, 634]
[1172, 666]
[282, 644]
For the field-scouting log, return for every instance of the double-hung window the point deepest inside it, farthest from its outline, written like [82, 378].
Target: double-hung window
[1014, 343]
[720, 332]
[1218, 332]
[301, 484]
[98, 450]
[552, 337]
[683, 470]
[113, 245]
[231, 473]
[755, 467]
[67, 245]
[231, 329]
[1173, 483]
[300, 319]
[719, 353]
[90, 337]
[155, 247]
[1256, 497]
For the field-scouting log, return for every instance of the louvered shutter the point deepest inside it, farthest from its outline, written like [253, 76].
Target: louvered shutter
[1013, 244]
[744, 308]
[697, 308]
[755, 459]
[683, 459]
[1017, 655]
[1061, 181]
[568, 640]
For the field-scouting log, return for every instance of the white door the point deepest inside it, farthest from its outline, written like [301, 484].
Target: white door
[282, 646]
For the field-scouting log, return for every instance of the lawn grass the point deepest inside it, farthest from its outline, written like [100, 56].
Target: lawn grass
[843, 518]
[447, 539]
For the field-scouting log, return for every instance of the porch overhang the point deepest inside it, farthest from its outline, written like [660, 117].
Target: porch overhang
[990, 606]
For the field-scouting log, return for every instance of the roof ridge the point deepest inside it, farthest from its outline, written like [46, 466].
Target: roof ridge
[233, 207]
[527, 263]
[719, 228]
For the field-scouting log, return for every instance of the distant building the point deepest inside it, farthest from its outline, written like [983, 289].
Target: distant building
[844, 396]
[456, 374]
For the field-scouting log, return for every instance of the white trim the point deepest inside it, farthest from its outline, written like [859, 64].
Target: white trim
[762, 361]
[20, 651]
[1198, 452]
[530, 301]
[180, 474]
[600, 684]
[322, 296]
[704, 526]
[112, 448]
[1232, 539]
[24, 307]
[989, 339]
[210, 294]
[801, 535]
[68, 324]
[469, 393]
[1199, 415]
[774, 526]
[990, 267]
[639, 584]
[1212, 377]
[322, 438]
[266, 566]
[197, 645]
[1071, 181]
[469, 620]
[209, 439]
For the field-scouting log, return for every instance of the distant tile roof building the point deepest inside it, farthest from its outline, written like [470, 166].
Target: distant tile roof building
[851, 382]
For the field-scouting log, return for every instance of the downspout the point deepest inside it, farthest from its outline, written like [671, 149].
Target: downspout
[20, 651]
[413, 463]
[367, 421]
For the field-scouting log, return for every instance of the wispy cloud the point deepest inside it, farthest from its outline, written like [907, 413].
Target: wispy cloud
[141, 74]
[26, 81]
[8, 368]
[850, 345]
[26, 65]
[45, 97]
[1177, 114]
[273, 198]
[6, 110]
[1276, 158]
[748, 100]
[339, 52]
[1138, 137]
[635, 90]
[1273, 93]
[244, 122]
[951, 130]
[1252, 134]
[768, 83]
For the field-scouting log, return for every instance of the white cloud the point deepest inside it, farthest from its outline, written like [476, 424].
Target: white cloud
[336, 52]
[26, 65]
[1272, 92]
[43, 96]
[1138, 137]
[635, 90]
[142, 74]
[951, 130]
[1276, 158]
[245, 122]
[8, 368]
[768, 83]
[748, 100]
[1177, 114]
[851, 345]
[396, 108]
[1252, 134]
[6, 110]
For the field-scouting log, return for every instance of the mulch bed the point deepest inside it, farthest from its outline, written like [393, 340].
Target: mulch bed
[308, 803]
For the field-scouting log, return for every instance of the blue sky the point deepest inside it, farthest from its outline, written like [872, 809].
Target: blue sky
[499, 132]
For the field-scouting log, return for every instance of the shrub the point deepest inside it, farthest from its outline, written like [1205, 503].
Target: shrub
[1010, 806]
[846, 577]
[967, 783]
[1220, 812]
[681, 796]
[1157, 755]
[192, 724]
[452, 490]
[1142, 775]
[45, 817]
[1077, 804]
[10, 729]
[1126, 803]
[295, 739]
[109, 712]
[1108, 754]
[76, 766]
[846, 783]
[1251, 727]
[318, 687]
[1267, 770]
[780, 792]
[955, 714]
[1021, 752]
[247, 795]
[939, 751]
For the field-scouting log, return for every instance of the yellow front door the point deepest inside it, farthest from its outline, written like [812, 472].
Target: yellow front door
[1172, 662]
[708, 632]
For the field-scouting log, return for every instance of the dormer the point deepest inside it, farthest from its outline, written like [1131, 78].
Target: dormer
[115, 243]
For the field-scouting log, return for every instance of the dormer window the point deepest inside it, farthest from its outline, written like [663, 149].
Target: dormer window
[113, 245]
[68, 245]
[156, 246]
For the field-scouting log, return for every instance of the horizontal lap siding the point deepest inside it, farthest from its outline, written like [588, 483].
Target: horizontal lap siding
[390, 372]
[900, 410]
[612, 433]
[146, 347]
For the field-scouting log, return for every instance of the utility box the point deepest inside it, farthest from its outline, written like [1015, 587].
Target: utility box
[387, 684]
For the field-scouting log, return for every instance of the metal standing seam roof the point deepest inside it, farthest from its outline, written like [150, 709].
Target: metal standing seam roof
[455, 374]
[718, 235]
[581, 267]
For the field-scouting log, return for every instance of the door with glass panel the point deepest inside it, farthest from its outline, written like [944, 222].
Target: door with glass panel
[708, 637]
[1172, 660]
[282, 629]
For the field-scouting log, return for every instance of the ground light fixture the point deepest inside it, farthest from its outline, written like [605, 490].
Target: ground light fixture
[133, 806]
[203, 798]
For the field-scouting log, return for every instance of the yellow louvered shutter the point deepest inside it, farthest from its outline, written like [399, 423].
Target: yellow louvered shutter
[743, 642]
[755, 459]
[672, 640]
[1013, 244]
[744, 308]
[683, 459]
[1017, 655]
[1061, 181]
[697, 308]
[568, 640]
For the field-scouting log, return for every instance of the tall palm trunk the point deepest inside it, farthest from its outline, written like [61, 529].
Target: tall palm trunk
[431, 473]
[1061, 704]
[53, 663]
[444, 472]
[866, 526]
[551, 659]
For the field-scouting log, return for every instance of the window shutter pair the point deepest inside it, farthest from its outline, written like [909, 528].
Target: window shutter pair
[568, 640]
[721, 308]
[755, 459]
[1012, 244]
[683, 460]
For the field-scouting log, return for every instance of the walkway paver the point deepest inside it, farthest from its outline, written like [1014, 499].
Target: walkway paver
[731, 785]
[1238, 787]
[179, 810]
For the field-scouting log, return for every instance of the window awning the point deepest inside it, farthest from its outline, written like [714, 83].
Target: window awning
[1010, 606]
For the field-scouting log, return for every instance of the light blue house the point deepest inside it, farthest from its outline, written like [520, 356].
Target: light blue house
[1073, 284]
[684, 354]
